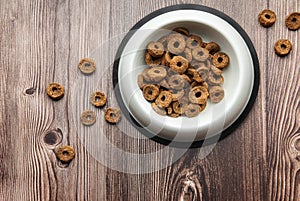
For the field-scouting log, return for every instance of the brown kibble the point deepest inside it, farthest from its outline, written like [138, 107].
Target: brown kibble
[176, 82]
[179, 64]
[200, 54]
[192, 110]
[88, 117]
[212, 47]
[65, 154]
[164, 99]
[156, 49]
[176, 44]
[98, 99]
[193, 42]
[157, 73]
[292, 21]
[198, 94]
[87, 66]
[55, 91]
[214, 79]
[216, 94]
[150, 92]
[267, 18]
[283, 47]
[112, 115]
[220, 60]
[182, 30]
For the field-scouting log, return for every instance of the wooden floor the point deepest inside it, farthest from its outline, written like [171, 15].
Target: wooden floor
[43, 41]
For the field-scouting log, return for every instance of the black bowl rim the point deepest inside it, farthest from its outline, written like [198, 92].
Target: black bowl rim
[235, 124]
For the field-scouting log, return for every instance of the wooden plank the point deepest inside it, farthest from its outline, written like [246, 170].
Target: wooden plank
[283, 109]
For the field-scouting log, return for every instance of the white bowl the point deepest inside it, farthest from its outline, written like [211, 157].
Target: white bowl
[241, 76]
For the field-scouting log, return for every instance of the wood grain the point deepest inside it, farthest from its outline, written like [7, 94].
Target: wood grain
[42, 42]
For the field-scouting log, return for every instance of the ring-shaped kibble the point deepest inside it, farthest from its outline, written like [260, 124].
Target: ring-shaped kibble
[164, 99]
[176, 82]
[156, 49]
[158, 110]
[194, 75]
[55, 91]
[283, 47]
[65, 154]
[214, 79]
[179, 64]
[157, 73]
[203, 72]
[150, 61]
[193, 42]
[198, 94]
[87, 66]
[216, 94]
[192, 110]
[267, 18]
[188, 54]
[112, 115]
[292, 21]
[220, 60]
[176, 44]
[98, 99]
[200, 54]
[179, 107]
[182, 30]
[150, 92]
[88, 117]
[177, 95]
[212, 47]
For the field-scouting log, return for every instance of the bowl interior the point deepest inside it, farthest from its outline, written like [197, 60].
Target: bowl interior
[238, 76]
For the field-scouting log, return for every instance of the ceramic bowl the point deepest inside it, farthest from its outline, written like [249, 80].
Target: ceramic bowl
[240, 85]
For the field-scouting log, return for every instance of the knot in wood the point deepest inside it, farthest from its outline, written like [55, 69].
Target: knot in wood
[53, 137]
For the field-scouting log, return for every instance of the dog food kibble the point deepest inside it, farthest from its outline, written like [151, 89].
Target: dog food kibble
[283, 47]
[216, 94]
[112, 115]
[65, 154]
[193, 42]
[150, 92]
[88, 117]
[267, 18]
[176, 44]
[98, 99]
[55, 91]
[183, 72]
[156, 49]
[182, 30]
[220, 60]
[292, 21]
[87, 66]
[179, 64]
